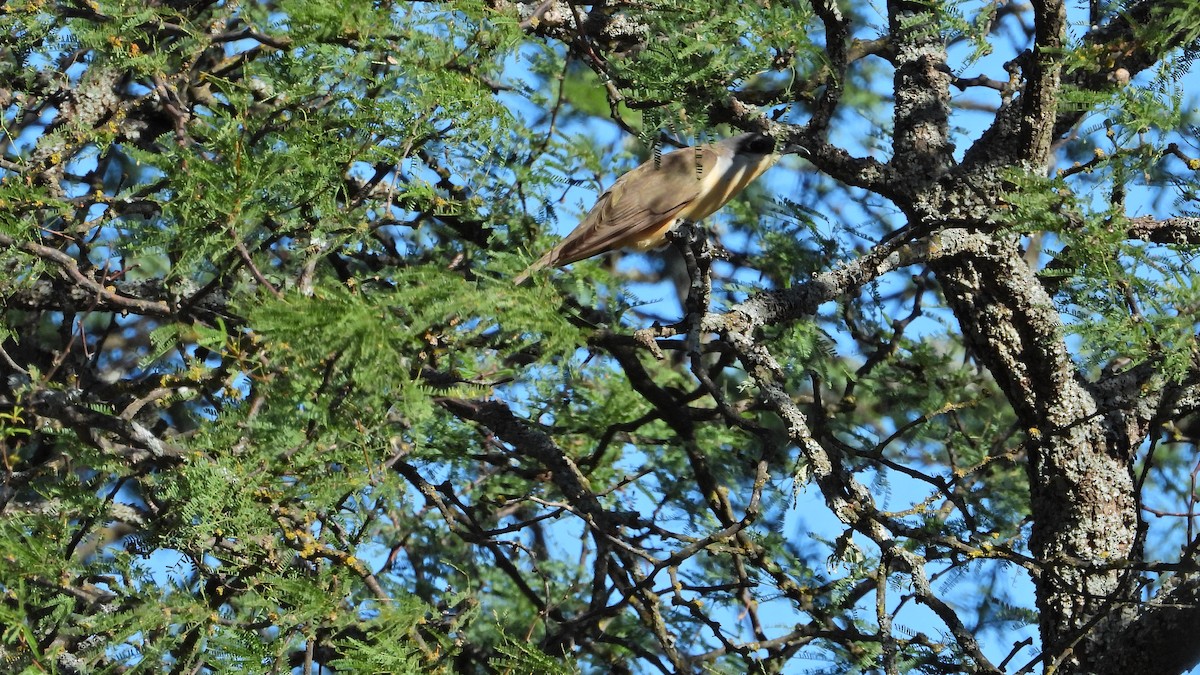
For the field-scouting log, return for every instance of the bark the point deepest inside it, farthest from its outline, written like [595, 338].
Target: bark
[1085, 508]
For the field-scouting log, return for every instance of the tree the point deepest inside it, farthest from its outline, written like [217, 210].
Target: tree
[272, 403]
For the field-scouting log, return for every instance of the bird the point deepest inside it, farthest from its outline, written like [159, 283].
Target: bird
[645, 203]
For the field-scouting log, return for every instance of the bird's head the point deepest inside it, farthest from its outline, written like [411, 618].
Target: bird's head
[753, 144]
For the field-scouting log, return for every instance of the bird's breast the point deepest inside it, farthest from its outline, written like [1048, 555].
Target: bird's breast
[727, 178]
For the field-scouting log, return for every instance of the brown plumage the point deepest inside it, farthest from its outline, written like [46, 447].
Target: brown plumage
[645, 203]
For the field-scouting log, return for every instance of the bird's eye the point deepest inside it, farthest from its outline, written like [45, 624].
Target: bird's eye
[760, 145]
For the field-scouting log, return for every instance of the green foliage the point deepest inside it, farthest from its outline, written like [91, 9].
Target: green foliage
[519, 657]
[1116, 290]
[271, 401]
[696, 53]
[1174, 24]
[16, 198]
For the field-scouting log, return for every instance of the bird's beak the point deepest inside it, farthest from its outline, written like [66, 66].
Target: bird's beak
[794, 149]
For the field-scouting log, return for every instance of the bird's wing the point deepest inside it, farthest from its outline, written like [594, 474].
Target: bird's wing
[637, 205]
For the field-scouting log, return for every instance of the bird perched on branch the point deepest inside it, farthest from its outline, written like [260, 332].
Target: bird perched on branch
[643, 205]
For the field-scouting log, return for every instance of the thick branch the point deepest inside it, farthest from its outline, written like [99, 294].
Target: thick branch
[1011, 324]
[1083, 494]
[922, 147]
[70, 271]
[802, 300]
[70, 410]
[1180, 231]
[1039, 101]
[1158, 641]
